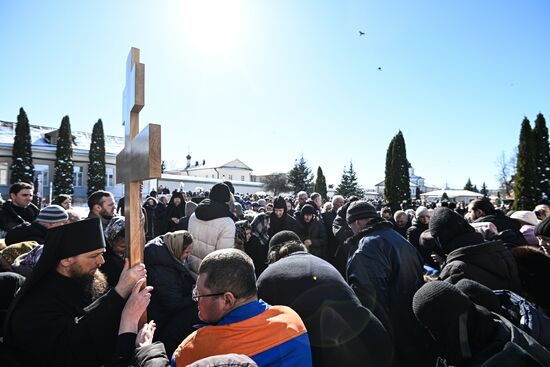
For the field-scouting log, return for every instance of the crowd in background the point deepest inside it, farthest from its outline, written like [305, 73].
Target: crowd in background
[426, 284]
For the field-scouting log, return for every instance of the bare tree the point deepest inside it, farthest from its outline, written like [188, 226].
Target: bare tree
[277, 183]
[506, 168]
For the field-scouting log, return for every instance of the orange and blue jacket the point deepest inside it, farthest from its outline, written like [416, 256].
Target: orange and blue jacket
[270, 335]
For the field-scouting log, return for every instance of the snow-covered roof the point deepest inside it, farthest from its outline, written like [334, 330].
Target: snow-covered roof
[452, 193]
[236, 163]
[82, 140]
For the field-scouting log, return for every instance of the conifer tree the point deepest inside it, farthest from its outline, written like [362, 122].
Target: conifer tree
[469, 185]
[96, 166]
[524, 189]
[389, 180]
[22, 168]
[397, 183]
[444, 197]
[542, 158]
[300, 177]
[64, 170]
[320, 183]
[348, 184]
[277, 183]
[484, 190]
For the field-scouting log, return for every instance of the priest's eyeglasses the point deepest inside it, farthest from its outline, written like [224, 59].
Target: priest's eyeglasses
[195, 295]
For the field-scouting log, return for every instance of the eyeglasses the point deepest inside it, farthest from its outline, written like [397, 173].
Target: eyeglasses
[195, 295]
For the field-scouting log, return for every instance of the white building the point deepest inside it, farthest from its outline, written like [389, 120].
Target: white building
[234, 170]
[453, 195]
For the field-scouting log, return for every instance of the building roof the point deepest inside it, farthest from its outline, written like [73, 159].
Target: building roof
[451, 193]
[236, 164]
[81, 142]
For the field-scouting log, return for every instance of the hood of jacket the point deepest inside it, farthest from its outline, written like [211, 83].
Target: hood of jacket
[209, 210]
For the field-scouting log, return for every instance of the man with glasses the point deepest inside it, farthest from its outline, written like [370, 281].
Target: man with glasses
[237, 321]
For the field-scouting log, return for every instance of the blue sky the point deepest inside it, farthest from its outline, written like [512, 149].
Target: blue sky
[267, 81]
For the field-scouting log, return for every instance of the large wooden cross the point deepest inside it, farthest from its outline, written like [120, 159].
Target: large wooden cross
[140, 158]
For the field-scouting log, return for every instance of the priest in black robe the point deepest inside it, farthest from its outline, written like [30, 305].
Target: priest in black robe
[53, 321]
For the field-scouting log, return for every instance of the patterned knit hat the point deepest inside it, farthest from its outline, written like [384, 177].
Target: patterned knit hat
[52, 214]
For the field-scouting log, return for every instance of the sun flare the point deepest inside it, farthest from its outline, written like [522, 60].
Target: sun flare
[212, 26]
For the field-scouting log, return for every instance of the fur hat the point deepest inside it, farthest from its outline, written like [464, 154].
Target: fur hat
[525, 216]
[360, 209]
[52, 214]
[543, 228]
[220, 193]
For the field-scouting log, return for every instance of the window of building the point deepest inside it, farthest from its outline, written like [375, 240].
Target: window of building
[109, 177]
[242, 178]
[4, 173]
[77, 176]
[41, 175]
[230, 177]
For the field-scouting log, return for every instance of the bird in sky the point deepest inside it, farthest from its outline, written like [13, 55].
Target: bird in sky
[379, 68]
[361, 33]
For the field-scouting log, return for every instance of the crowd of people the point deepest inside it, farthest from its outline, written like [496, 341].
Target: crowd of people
[242, 280]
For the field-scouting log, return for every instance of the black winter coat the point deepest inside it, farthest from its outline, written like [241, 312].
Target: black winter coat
[286, 223]
[12, 216]
[504, 223]
[488, 263]
[342, 332]
[315, 232]
[27, 232]
[385, 272]
[414, 232]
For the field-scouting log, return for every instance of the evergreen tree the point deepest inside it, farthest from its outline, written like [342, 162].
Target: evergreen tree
[524, 189]
[444, 197]
[63, 177]
[163, 167]
[389, 180]
[348, 184]
[484, 190]
[96, 167]
[469, 185]
[397, 182]
[475, 189]
[320, 184]
[277, 183]
[22, 168]
[542, 158]
[300, 177]
[417, 194]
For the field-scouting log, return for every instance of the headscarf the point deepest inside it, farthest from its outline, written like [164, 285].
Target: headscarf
[174, 242]
[259, 227]
[240, 233]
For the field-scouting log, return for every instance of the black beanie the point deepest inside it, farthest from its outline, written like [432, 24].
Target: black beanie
[308, 209]
[438, 304]
[230, 185]
[447, 224]
[543, 228]
[360, 209]
[220, 193]
[280, 238]
[479, 294]
[279, 203]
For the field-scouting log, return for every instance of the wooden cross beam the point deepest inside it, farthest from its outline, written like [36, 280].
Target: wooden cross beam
[140, 158]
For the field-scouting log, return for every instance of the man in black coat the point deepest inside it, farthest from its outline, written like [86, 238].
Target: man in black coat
[419, 224]
[52, 321]
[50, 217]
[328, 218]
[482, 210]
[19, 208]
[342, 332]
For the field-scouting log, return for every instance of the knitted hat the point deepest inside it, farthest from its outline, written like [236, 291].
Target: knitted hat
[437, 304]
[447, 224]
[115, 228]
[479, 294]
[281, 238]
[220, 193]
[525, 216]
[360, 209]
[422, 211]
[52, 214]
[308, 209]
[279, 203]
[262, 203]
[543, 228]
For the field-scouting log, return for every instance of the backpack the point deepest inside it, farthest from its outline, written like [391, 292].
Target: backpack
[525, 315]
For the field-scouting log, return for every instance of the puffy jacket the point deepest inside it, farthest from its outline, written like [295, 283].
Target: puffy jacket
[488, 263]
[209, 234]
